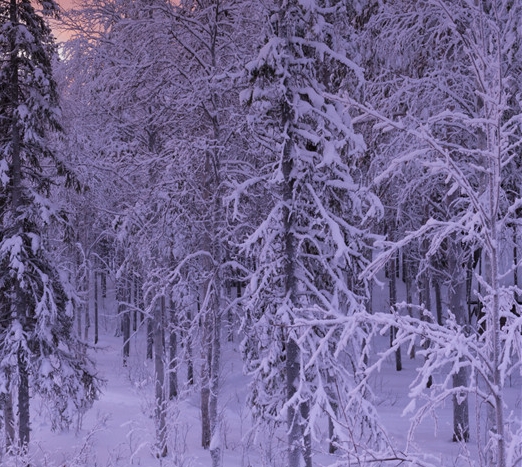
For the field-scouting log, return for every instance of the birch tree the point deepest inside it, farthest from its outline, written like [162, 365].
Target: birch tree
[464, 128]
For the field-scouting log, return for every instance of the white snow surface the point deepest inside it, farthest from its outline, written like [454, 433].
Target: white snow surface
[119, 429]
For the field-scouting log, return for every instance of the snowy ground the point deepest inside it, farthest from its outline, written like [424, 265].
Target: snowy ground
[119, 429]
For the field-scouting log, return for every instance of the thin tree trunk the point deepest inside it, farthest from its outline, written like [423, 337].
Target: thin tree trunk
[9, 422]
[173, 355]
[87, 320]
[135, 301]
[494, 337]
[408, 279]
[24, 426]
[215, 443]
[205, 417]
[332, 396]
[294, 427]
[79, 325]
[78, 311]
[460, 407]
[124, 313]
[159, 377]
[103, 281]
[150, 338]
[393, 302]
[332, 441]
[438, 301]
[515, 261]
[206, 432]
[456, 292]
[307, 434]
[96, 317]
[189, 350]
[425, 296]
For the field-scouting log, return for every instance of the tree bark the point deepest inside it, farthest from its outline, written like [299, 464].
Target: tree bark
[126, 332]
[135, 301]
[159, 379]
[206, 433]
[96, 317]
[438, 301]
[456, 292]
[393, 302]
[173, 355]
[494, 337]
[9, 422]
[103, 280]
[408, 280]
[24, 427]
[215, 443]
[150, 338]
[307, 434]
[78, 311]
[20, 303]
[87, 320]
[189, 350]
[295, 424]
[294, 428]
[515, 261]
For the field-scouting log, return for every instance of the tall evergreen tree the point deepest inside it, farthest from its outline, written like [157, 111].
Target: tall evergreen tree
[309, 246]
[37, 346]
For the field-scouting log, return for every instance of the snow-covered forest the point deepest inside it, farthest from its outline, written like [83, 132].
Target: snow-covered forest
[242, 233]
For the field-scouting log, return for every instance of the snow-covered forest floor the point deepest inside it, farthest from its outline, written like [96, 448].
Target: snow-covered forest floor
[119, 430]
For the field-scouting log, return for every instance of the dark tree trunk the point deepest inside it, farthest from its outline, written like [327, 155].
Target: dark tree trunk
[460, 379]
[136, 303]
[408, 280]
[17, 204]
[150, 338]
[332, 441]
[206, 432]
[515, 262]
[124, 313]
[103, 280]
[393, 302]
[438, 301]
[307, 435]
[87, 317]
[460, 407]
[9, 421]
[293, 353]
[96, 317]
[215, 447]
[294, 427]
[189, 350]
[425, 301]
[24, 427]
[173, 355]
[159, 377]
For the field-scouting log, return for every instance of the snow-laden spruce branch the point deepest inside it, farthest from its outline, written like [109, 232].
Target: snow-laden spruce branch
[322, 49]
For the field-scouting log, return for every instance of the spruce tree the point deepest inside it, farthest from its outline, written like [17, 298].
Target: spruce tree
[37, 347]
[309, 246]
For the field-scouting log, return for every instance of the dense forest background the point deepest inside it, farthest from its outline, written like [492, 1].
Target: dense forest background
[320, 186]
